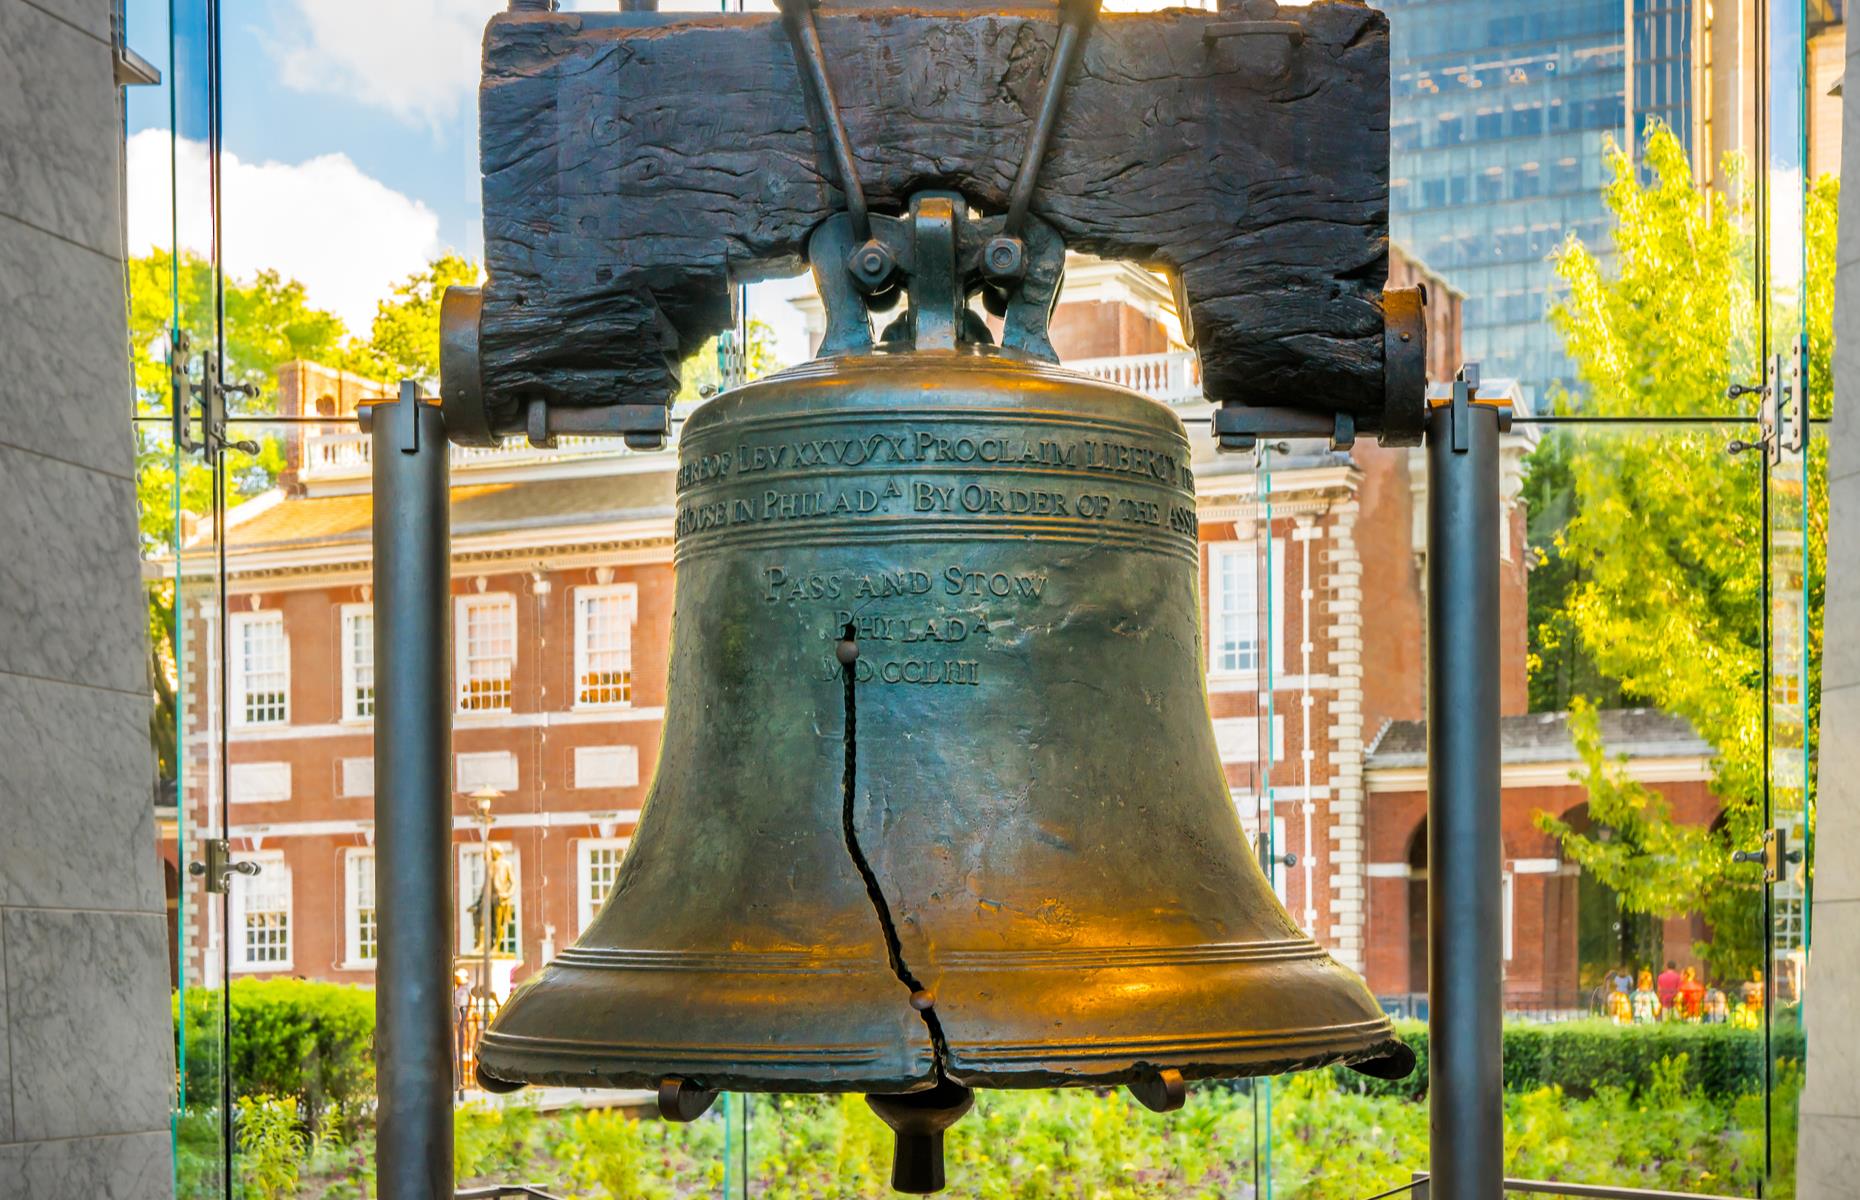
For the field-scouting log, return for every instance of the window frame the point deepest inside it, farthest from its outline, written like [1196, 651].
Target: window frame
[238, 697]
[465, 927]
[352, 956]
[462, 656]
[628, 595]
[272, 866]
[585, 905]
[1267, 647]
[346, 616]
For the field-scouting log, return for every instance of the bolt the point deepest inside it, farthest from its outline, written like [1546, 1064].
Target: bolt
[847, 652]
[871, 266]
[922, 1000]
[1004, 259]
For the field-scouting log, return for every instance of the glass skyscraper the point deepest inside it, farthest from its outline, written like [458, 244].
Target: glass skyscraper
[1501, 111]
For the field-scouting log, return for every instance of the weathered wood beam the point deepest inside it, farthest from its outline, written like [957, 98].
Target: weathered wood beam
[635, 165]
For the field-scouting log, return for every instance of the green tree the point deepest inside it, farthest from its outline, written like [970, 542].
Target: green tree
[404, 340]
[1664, 547]
[702, 374]
[269, 321]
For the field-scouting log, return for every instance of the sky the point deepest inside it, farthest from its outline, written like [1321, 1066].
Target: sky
[349, 139]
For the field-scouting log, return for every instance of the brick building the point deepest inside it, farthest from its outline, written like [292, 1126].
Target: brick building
[1311, 568]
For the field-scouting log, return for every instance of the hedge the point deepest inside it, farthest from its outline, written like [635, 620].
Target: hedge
[1722, 1061]
[289, 1037]
[315, 1041]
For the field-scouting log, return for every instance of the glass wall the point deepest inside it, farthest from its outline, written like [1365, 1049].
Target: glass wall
[300, 193]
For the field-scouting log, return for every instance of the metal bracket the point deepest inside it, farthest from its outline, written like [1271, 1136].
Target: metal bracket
[641, 426]
[1782, 410]
[1240, 427]
[1775, 855]
[211, 391]
[1792, 374]
[1459, 408]
[219, 866]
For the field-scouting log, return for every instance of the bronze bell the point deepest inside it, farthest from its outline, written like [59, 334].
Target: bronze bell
[938, 805]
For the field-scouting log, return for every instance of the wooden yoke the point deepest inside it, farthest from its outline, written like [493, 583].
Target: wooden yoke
[638, 164]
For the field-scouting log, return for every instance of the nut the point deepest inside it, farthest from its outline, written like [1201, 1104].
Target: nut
[871, 266]
[1004, 259]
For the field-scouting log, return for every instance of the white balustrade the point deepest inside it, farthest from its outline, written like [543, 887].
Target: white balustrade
[335, 455]
[1172, 377]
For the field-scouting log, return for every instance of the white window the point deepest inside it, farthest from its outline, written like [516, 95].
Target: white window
[361, 942]
[604, 619]
[1238, 626]
[506, 898]
[261, 669]
[487, 769]
[487, 652]
[1238, 738]
[600, 866]
[358, 662]
[259, 782]
[606, 766]
[358, 777]
[261, 915]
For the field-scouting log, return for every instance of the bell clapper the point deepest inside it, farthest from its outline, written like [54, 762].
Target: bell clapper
[681, 1100]
[917, 1120]
[1160, 1091]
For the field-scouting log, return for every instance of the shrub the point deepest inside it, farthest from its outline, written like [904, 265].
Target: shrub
[1581, 1058]
[271, 1146]
[313, 1042]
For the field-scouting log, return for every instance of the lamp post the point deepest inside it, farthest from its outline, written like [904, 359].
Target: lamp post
[484, 798]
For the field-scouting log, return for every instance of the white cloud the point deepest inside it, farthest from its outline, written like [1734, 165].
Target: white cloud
[418, 59]
[347, 237]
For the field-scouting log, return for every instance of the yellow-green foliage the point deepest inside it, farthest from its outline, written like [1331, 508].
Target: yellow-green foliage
[1314, 1140]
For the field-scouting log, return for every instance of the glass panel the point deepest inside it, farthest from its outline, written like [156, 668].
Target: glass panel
[1794, 547]
[167, 296]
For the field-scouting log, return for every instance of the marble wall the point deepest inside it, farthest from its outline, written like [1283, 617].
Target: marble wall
[1828, 1155]
[86, 1064]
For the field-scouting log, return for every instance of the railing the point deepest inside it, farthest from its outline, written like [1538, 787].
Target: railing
[348, 452]
[1173, 377]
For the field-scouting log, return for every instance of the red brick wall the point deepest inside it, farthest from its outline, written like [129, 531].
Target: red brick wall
[1101, 329]
[542, 682]
[1544, 906]
[1394, 649]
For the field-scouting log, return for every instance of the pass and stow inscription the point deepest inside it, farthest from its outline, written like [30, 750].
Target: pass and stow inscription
[924, 643]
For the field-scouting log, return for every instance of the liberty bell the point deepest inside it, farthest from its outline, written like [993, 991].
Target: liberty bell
[938, 805]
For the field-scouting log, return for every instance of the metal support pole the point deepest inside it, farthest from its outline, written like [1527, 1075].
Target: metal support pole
[413, 799]
[1465, 940]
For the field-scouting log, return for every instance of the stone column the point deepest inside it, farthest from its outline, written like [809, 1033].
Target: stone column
[85, 1060]
[1828, 1154]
